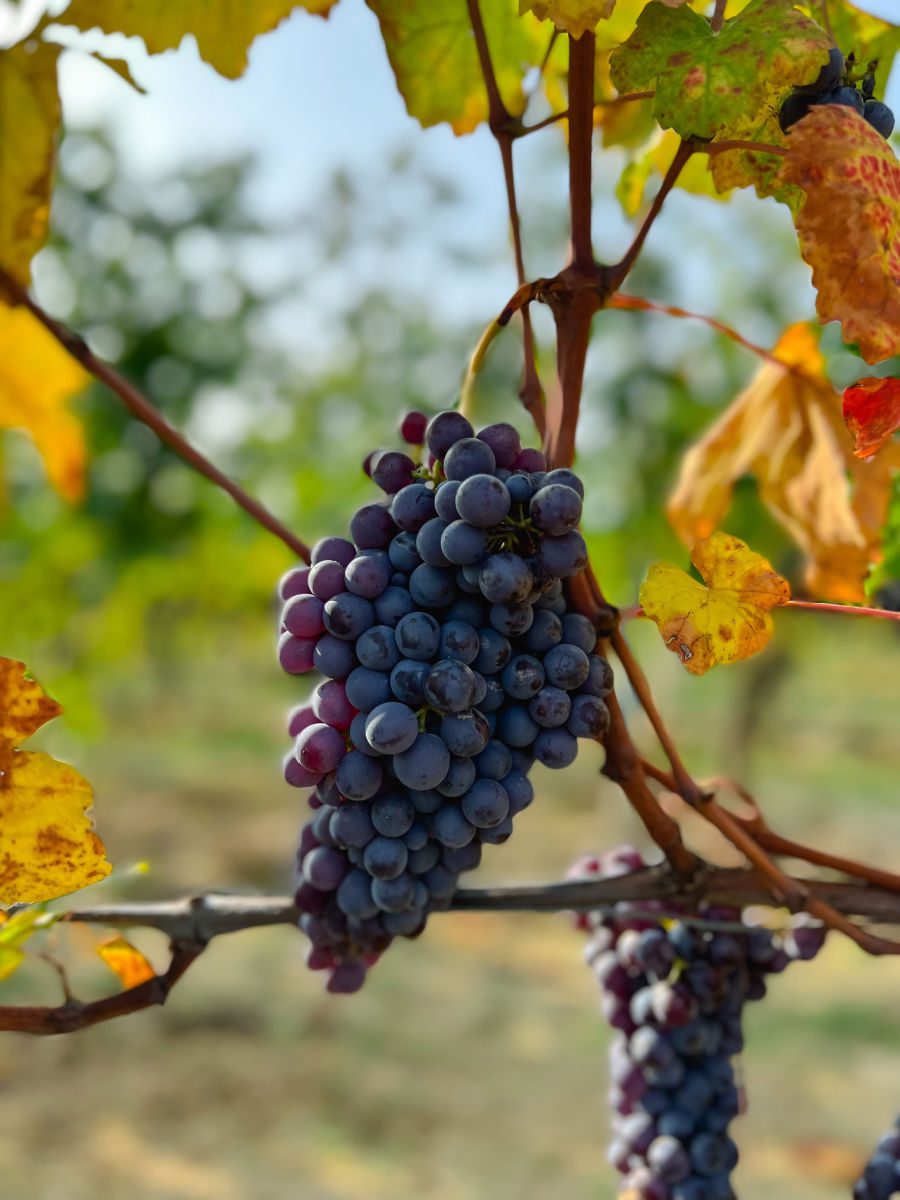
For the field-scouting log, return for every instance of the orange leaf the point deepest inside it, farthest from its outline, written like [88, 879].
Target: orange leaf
[724, 621]
[872, 413]
[786, 429]
[24, 705]
[849, 224]
[126, 961]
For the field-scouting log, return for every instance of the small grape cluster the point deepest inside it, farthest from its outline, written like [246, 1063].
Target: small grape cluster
[452, 666]
[881, 1175]
[839, 82]
[674, 988]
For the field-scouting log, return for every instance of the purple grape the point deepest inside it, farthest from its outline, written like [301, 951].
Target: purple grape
[485, 804]
[445, 430]
[368, 574]
[555, 509]
[407, 681]
[412, 427]
[425, 764]
[324, 868]
[326, 579]
[392, 471]
[347, 616]
[451, 828]
[506, 578]
[391, 728]
[296, 655]
[449, 686]
[333, 657]
[445, 499]
[463, 544]
[468, 457]
[320, 748]
[483, 501]
[377, 648]
[465, 733]
[395, 894]
[302, 616]
[530, 460]
[428, 543]
[504, 441]
[297, 775]
[372, 527]
[358, 776]
[294, 582]
[330, 704]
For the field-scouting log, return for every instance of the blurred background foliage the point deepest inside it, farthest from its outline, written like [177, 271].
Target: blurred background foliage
[473, 1063]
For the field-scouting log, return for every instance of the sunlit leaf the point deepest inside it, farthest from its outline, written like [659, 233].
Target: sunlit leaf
[786, 429]
[571, 16]
[724, 621]
[37, 381]
[29, 123]
[432, 51]
[866, 36]
[126, 962]
[15, 932]
[224, 30]
[872, 413]
[48, 846]
[694, 178]
[24, 705]
[849, 224]
[706, 82]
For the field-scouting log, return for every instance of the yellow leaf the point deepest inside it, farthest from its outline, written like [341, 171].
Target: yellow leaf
[724, 621]
[571, 16]
[37, 380]
[786, 428]
[24, 705]
[48, 846]
[224, 30]
[849, 224]
[29, 120]
[126, 961]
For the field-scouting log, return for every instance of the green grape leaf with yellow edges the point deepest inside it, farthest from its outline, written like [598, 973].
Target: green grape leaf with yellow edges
[224, 30]
[435, 61]
[29, 125]
[849, 224]
[722, 620]
[706, 83]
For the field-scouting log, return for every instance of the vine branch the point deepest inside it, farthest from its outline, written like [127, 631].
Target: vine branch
[141, 408]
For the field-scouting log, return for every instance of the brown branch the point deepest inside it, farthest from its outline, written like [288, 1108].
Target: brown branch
[143, 410]
[581, 133]
[624, 98]
[503, 128]
[682, 154]
[538, 125]
[717, 20]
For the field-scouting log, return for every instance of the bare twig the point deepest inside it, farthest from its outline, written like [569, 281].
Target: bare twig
[143, 410]
[845, 610]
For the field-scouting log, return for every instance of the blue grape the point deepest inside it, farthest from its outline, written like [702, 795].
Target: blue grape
[494, 652]
[395, 894]
[551, 707]
[847, 97]
[393, 815]
[462, 858]
[391, 728]
[358, 777]
[403, 553]
[377, 648]
[578, 631]
[425, 764]
[668, 1159]
[519, 789]
[469, 609]
[555, 748]
[441, 882]
[392, 605]
[713, 1154]
[451, 828]
[392, 471]
[494, 695]
[432, 587]
[346, 616]
[416, 837]
[463, 544]
[504, 441]
[421, 861]
[418, 636]
[522, 677]
[459, 778]
[497, 834]
[333, 657]
[445, 499]
[494, 761]
[880, 117]
[354, 895]
[485, 804]
[368, 574]
[426, 802]
[516, 728]
[449, 686]
[332, 549]
[445, 430]
[566, 666]
[555, 509]
[459, 641]
[411, 508]
[562, 556]
[566, 477]
[465, 733]
[428, 543]
[519, 488]
[407, 681]
[468, 457]
[351, 825]
[385, 857]
[546, 632]
[589, 718]
[511, 619]
[372, 527]
[483, 501]
[506, 578]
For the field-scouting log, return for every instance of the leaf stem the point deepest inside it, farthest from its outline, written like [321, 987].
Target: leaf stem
[845, 610]
[143, 410]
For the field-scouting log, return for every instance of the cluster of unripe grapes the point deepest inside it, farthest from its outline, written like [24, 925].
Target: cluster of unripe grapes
[840, 83]
[674, 986]
[452, 665]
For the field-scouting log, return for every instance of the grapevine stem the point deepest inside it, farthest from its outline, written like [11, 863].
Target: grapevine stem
[844, 610]
[581, 129]
[717, 20]
[143, 410]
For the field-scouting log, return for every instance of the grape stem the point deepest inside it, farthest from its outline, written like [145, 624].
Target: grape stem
[844, 610]
[143, 410]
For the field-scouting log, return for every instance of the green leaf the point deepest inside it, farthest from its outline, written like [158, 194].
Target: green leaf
[867, 36]
[29, 120]
[224, 30]
[708, 83]
[432, 51]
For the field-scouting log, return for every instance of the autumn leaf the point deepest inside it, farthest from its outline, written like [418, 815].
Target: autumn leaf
[571, 16]
[725, 620]
[29, 123]
[706, 82]
[435, 61]
[872, 413]
[224, 31]
[849, 224]
[786, 429]
[695, 177]
[37, 381]
[126, 962]
[15, 931]
[47, 843]
[867, 36]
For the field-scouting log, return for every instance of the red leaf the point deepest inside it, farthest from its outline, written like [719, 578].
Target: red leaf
[872, 413]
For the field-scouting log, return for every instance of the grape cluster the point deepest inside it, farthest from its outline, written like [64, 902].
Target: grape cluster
[674, 989]
[840, 83]
[452, 666]
[881, 1175]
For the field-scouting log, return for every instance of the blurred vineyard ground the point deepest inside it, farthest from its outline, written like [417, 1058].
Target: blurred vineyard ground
[472, 1065]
